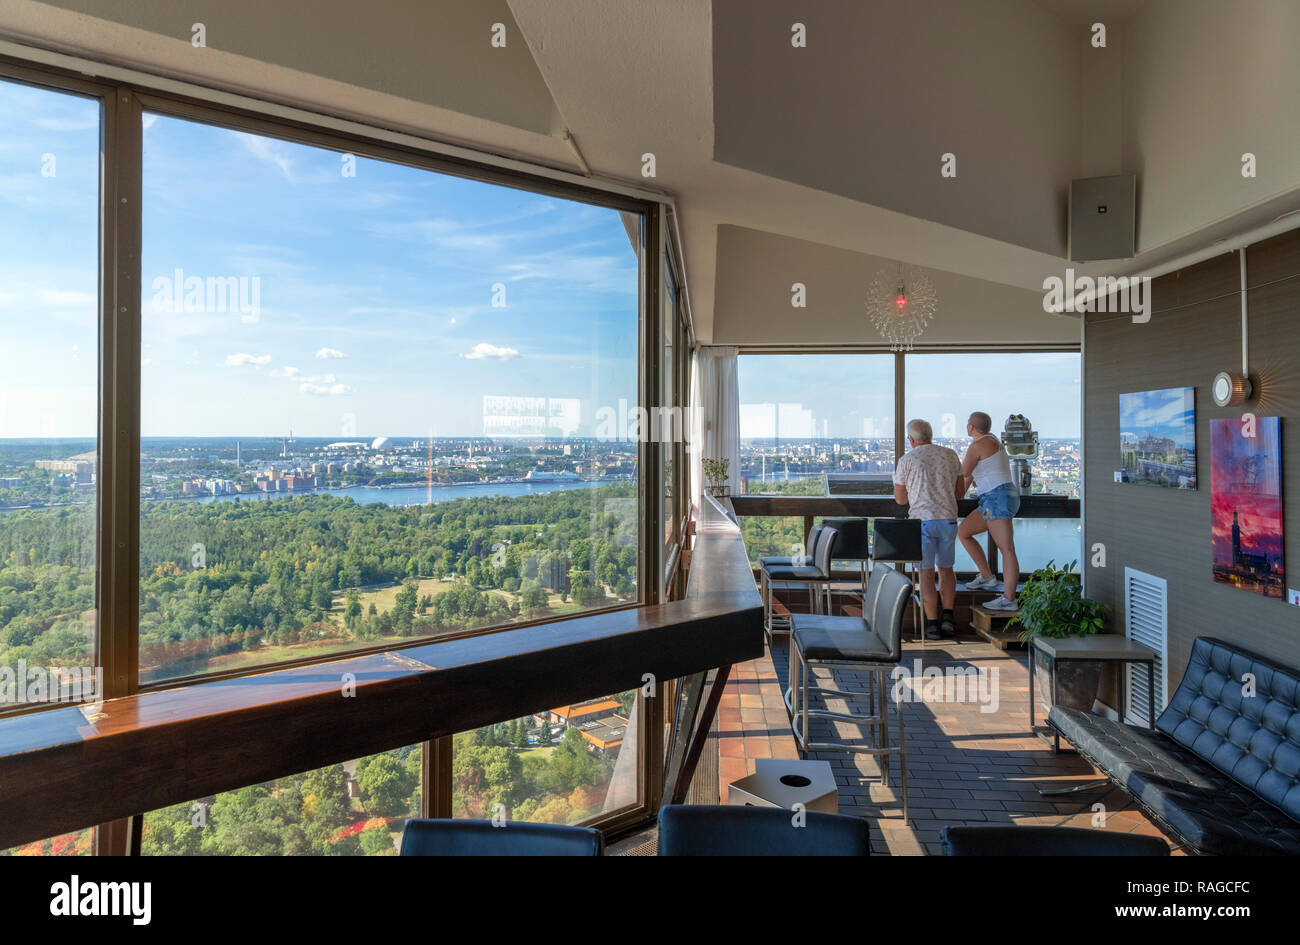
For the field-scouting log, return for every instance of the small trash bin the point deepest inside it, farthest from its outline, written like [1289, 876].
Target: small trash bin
[782, 783]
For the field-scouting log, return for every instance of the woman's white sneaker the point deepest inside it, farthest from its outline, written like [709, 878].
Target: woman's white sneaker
[982, 583]
[1001, 603]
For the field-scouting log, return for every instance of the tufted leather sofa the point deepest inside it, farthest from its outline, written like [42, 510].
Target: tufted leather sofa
[1221, 771]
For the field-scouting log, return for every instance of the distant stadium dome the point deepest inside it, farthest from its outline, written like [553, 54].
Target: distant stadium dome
[379, 443]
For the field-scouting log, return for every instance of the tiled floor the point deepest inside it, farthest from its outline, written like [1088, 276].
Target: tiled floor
[965, 766]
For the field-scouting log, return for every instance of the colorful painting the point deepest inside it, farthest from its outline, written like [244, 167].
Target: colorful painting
[1157, 437]
[1246, 503]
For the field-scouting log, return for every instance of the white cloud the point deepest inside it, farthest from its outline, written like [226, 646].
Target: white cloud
[486, 352]
[326, 354]
[323, 390]
[236, 360]
[265, 149]
[285, 371]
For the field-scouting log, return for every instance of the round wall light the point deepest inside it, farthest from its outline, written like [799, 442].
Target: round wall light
[1230, 389]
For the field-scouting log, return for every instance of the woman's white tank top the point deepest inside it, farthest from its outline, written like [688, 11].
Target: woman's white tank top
[992, 471]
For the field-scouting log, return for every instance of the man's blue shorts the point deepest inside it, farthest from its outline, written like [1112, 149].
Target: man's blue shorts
[938, 543]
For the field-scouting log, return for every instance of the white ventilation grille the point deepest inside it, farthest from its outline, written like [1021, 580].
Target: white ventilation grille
[1146, 620]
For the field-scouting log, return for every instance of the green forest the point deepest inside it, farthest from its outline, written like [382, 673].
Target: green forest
[359, 809]
[258, 577]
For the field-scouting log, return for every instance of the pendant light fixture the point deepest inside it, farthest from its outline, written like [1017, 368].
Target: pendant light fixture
[901, 303]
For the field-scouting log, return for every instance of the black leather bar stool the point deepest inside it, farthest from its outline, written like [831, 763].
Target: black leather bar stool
[783, 561]
[731, 830]
[872, 643]
[441, 837]
[897, 542]
[815, 577]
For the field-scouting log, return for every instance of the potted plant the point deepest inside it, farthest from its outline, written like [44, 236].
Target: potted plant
[1052, 605]
[715, 471]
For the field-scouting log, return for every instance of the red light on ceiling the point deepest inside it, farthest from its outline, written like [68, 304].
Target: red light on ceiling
[901, 300]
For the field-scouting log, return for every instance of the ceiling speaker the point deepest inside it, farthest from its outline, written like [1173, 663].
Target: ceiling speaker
[1102, 217]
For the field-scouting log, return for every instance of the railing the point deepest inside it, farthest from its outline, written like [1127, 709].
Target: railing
[809, 508]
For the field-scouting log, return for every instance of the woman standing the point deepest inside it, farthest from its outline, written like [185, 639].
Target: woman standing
[988, 467]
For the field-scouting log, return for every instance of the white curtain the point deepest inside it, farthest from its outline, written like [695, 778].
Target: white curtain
[715, 414]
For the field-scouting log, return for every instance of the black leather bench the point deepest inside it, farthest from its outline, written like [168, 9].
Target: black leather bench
[1221, 771]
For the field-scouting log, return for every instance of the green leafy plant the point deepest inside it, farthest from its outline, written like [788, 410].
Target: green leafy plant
[1052, 605]
[715, 470]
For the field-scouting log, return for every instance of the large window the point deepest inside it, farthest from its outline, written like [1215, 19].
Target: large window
[1044, 388]
[382, 397]
[810, 424]
[356, 808]
[372, 403]
[816, 424]
[49, 370]
[560, 765]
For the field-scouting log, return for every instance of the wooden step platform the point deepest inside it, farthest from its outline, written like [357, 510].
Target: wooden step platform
[992, 626]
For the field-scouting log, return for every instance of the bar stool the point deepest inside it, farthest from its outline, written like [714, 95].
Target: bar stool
[897, 541]
[873, 643]
[766, 562]
[713, 830]
[788, 560]
[783, 562]
[483, 838]
[815, 577]
[854, 545]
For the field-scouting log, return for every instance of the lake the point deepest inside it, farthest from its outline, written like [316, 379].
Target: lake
[413, 495]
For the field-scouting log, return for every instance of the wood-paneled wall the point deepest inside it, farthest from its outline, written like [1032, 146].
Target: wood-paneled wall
[1194, 333]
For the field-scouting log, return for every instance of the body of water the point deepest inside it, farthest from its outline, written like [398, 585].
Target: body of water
[1038, 540]
[413, 495]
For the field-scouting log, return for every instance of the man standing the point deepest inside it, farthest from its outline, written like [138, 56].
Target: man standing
[928, 481]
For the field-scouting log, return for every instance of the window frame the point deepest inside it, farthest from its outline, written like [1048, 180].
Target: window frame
[117, 579]
[900, 367]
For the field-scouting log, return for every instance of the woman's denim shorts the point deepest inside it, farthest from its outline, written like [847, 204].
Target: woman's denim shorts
[1000, 502]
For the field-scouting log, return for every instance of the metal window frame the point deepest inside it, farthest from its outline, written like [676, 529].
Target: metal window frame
[900, 369]
[122, 105]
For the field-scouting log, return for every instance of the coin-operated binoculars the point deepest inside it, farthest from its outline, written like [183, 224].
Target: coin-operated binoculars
[1020, 440]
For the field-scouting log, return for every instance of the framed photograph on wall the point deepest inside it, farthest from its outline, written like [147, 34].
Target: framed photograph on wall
[1157, 437]
[1246, 504]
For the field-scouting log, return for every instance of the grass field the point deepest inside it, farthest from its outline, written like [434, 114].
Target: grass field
[383, 598]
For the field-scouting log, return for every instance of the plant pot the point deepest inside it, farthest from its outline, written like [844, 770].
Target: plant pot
[1076, 682]
[722, 490]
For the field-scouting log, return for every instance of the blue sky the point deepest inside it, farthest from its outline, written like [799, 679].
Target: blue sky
[1169, 413]
[852, 395]
[374, 292]
[49, 212]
